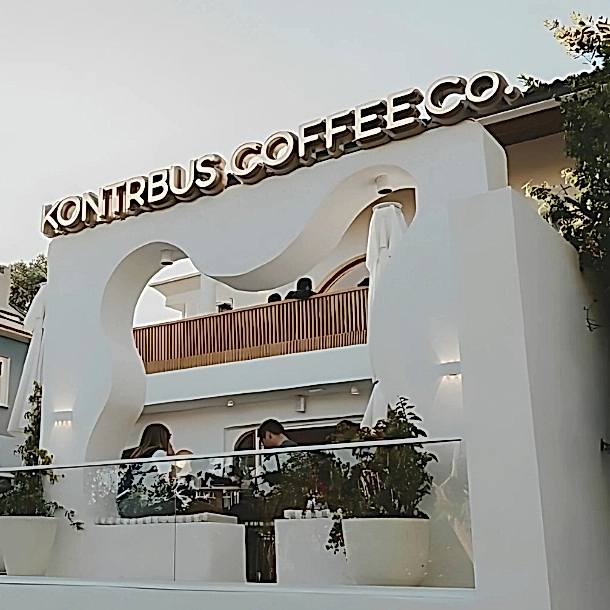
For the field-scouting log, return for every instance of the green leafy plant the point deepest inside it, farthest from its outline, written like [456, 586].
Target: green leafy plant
[294, 478]
[26, 278]
[386, 481]
[580, 207]
[26, 495]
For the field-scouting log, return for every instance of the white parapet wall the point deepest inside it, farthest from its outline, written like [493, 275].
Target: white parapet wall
[260, 375]
[508, 305]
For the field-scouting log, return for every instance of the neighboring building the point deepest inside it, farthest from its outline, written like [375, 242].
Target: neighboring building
[14, 342]
[478, 316]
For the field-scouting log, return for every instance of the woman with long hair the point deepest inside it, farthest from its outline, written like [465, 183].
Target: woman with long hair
[146, 489]
[155, 439]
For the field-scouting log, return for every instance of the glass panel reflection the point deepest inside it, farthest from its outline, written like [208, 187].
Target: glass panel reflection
[391, 512]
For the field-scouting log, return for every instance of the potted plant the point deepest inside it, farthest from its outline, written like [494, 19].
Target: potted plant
[291, 490]
[27, 518]
[374, 494]
[378, 522]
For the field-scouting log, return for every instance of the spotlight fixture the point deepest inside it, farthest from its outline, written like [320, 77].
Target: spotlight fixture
[382, 183]
[62, 419]
[354, 391]
[167, 257]
[230, 403]
[451, 369]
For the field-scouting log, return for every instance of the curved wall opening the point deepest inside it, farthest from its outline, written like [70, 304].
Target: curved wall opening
[344, 215]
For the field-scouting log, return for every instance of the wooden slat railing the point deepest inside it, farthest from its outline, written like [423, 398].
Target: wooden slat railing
[325, 321]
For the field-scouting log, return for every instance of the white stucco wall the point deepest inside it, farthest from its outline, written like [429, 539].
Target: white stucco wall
[261, 597]
[509, 305]
[461, 287]
[93, 367]
[278, 230]
[535, 397]
[259, 375]
[209, 429]
[568, 371]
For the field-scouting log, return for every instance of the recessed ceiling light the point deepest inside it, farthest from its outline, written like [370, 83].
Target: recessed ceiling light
[315, 390]
[230, 403]
[354, 391]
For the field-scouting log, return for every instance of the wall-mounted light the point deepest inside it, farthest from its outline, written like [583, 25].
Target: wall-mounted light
[382, 184]
[230, 403]
[301, 406]
[62, 419]
[315, 390]
[354, 391]
[451, 369]
[167, 257]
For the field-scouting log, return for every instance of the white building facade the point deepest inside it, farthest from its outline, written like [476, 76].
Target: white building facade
[479, 318]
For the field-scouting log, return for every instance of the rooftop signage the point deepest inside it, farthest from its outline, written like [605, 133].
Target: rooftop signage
[447, 101]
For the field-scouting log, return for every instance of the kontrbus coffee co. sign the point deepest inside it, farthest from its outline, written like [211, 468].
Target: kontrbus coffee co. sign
[447, 101]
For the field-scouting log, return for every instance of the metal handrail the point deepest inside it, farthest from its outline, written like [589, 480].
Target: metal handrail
[244, 453]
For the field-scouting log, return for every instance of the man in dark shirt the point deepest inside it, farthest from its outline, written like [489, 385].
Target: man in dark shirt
[273, 436]
[304, 290]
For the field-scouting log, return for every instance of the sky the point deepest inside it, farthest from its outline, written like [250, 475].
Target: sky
[95, 91]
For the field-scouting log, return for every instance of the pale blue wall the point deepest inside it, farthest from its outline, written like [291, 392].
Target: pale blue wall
[16, 351]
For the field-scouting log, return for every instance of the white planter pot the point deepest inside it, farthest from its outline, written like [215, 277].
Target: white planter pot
[26, 544]
[302, 557]
[391, 552]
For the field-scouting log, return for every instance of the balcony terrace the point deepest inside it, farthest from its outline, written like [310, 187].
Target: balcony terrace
[255, 517]
[337, 319]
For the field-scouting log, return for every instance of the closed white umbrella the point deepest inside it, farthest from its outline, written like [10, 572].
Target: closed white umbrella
[387, 227]
[32, 368]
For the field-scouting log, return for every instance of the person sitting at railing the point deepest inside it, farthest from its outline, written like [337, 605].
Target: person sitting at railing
[189, 497]
[274, 298]
[304, 289]
[272, 435]
[162, 488]
[144, 489]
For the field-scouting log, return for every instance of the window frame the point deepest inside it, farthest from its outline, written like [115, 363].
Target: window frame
[5, 380]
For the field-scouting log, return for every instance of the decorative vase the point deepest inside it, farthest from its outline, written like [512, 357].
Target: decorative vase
[26, 544]
[390, 552]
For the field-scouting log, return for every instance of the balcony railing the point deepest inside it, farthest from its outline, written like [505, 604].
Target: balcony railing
[253, 516]
[325, 321]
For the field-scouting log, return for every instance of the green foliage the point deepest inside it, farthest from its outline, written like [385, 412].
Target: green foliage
[26, 496]
[386, 481]
[587, 38]
[580, 207]
[26, 278]
[300, 475]
[392, 480]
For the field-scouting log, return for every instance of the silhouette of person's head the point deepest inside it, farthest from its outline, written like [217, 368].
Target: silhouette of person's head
[274, 298]
[304, 284]
[271, 434]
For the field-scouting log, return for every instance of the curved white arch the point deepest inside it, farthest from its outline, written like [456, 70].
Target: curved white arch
[251, 238]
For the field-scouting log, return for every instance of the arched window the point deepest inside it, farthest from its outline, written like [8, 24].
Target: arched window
[349, 275]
